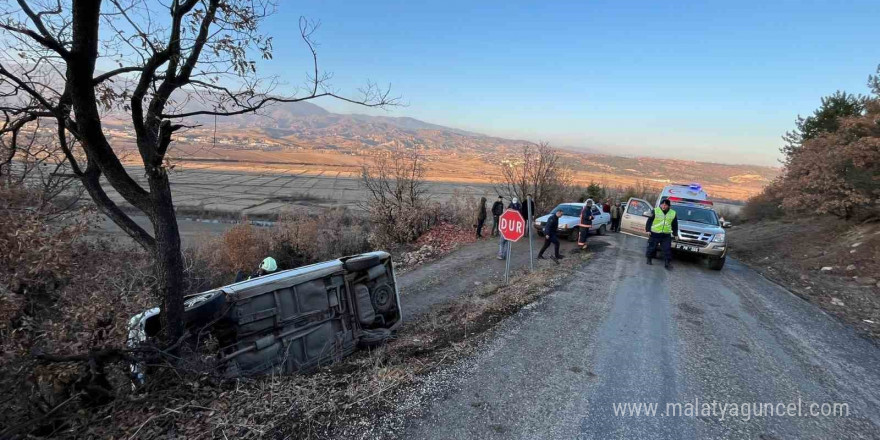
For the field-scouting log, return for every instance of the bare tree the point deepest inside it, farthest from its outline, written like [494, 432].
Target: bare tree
[395, 185]
[537, 170]
[161, 62]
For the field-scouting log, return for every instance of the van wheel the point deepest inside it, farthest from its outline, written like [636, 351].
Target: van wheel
[382, 298]
[601, 230]
[573, 235]
[717, 263]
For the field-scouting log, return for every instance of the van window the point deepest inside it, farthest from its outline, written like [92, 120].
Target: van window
[638, 207]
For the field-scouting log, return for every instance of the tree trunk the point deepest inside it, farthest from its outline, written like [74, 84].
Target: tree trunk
[169, 260]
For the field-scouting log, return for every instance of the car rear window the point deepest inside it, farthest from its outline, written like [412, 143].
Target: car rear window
[569, 210]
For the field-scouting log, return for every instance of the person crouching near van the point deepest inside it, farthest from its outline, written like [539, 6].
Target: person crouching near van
[662, 224]
[585, 224]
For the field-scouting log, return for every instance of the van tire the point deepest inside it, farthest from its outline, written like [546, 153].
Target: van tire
[383, 298]
[717, 263]
[360, 263]
[573, 235]
[601, 230]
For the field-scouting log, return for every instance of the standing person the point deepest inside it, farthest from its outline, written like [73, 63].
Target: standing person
[606, 206]
[504, 245]
[550, 230]
[615, 216]
[515, 204]
[481, 217]
[585, 224]
[662, 224]
[497, 210]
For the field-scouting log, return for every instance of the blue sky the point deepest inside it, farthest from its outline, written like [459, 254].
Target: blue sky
[704, 80]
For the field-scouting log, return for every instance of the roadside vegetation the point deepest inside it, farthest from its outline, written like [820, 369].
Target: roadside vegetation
[816, 228]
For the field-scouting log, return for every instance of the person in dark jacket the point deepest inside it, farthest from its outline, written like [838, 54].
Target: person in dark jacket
[662, 225]
[615, 213]
[515, 204]
[585, 224]
[481, 217]
[550, 230]
[497, 210]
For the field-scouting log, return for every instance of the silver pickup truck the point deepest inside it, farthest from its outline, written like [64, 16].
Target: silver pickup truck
[293, 320]
[700, 231]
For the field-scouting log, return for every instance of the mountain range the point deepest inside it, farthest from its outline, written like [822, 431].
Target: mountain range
[304, 133]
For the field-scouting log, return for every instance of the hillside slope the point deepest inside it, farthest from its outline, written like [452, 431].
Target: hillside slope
[833, 264]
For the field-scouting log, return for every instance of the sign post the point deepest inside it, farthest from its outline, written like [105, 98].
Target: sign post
[512, 227]
[529, 225]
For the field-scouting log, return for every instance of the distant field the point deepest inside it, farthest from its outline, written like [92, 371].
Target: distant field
[269, 190]
[211, 189]
[731, 182]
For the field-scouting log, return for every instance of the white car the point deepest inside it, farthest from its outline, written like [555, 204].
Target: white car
[571, 216]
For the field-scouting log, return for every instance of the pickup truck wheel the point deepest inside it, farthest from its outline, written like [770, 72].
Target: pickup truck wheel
[717, 263]
[601, 230]
[573, 235]
[362, 262]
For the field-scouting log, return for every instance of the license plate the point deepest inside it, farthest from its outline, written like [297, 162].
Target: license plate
[686, 248]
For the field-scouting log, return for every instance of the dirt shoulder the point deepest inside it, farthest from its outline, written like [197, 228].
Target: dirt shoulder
[831, 263]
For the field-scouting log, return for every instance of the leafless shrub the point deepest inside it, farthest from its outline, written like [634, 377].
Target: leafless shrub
[537, 170]
[295, 240]
[397, 197]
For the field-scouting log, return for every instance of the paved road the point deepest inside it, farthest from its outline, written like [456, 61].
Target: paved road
[473, 266]
[621, 331]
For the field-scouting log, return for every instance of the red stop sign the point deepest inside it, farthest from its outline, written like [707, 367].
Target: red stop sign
[512, 225]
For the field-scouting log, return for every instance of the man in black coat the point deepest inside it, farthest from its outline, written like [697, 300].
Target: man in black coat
[550, 230]
[497, 210]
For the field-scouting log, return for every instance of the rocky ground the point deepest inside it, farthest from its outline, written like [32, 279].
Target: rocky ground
[831, 263]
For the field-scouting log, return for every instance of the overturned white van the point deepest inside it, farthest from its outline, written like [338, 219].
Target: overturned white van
[291, 321]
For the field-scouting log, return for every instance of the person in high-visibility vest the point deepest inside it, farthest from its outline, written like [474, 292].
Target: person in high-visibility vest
[662, 225]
